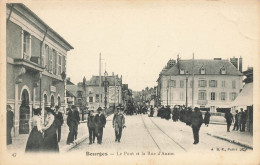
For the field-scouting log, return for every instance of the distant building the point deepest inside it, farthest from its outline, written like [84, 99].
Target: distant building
[36, 65]
[216, 83]
[113, 93]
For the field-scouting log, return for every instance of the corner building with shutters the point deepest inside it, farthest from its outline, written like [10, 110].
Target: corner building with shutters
[217, 83]
[35, 65]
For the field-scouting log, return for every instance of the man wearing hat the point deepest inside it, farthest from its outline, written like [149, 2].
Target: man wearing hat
[59, 121]
[118, 124]
[100, 122]
[196, 122]
[9, 124]
[91, 127]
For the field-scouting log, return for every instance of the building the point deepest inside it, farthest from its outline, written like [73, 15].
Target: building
[112, 96]
[217, 83]
[36, 65]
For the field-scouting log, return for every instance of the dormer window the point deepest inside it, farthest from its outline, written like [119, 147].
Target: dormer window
[202, 70]
[181, 71]
[223, 70]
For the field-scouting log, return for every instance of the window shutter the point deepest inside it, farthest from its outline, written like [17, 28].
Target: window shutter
[216, 98]
[216, 83]
[220, 96]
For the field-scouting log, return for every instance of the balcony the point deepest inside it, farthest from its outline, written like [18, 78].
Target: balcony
[202, 102]
[31, 64]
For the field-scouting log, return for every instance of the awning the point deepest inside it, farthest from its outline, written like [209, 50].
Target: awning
[245, 97]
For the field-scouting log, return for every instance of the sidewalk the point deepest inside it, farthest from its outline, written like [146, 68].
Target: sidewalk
[244, 139]
[19, 142]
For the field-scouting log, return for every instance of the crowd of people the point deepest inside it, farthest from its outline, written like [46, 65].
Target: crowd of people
[186, 115]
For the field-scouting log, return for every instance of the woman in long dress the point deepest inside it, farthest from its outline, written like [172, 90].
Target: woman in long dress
[50, 141]
[35, 138]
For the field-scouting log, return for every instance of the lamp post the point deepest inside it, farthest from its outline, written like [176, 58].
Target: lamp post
[167, 91]
[186, 90]
[105, 85]
[119, 84]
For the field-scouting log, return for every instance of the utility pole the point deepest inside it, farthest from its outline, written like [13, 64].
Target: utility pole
[99, 96]
[193, 81]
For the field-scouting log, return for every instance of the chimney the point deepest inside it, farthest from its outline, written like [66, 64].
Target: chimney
[240, 64]
[234, 61]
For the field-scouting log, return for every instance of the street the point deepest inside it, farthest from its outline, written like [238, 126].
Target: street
[154, 135]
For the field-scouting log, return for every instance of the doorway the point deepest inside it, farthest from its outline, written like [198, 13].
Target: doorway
[24, 113]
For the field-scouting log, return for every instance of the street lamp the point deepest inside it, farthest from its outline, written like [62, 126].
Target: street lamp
[186, 89]
[105, 86]
[167, 90]
[119, 83]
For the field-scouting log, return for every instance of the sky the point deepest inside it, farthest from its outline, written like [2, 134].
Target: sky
[137, 38]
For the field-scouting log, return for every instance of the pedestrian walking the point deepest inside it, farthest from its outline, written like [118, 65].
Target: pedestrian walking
[75, 119]
[59, 121]
[91, 127]
[207, 118]
[236, 121]
[229, 119]
[9, 124]
[118, 124]
[35, 138]
[70, 124]
[240, 119]
[50, 142]
[100, 122]
[196, 122]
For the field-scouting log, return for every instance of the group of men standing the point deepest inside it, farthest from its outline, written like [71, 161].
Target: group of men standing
[95, 126]
[240, 120]
[97, 123]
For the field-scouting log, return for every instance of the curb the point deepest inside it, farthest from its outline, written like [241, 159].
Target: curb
[232, 141]
[77, 142]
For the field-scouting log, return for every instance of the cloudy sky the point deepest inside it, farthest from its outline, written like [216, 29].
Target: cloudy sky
[137, 38]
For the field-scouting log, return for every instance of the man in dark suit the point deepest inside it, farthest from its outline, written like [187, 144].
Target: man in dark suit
[9, 124]
[196, 122]
[76, 119]
[100, 122]
[70, 124]
[229, 119]
[91, 127]
[59, 121]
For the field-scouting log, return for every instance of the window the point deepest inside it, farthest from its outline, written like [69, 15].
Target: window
[202, 95]
[91, 99]
[212, 96]
[172, 83]
[181, 96]
[54, 61]
[233, 96]
[181, 71]
[26, 45]
[181, 83]
[59, 64]
[50, 60]
[79, 93]
[202, 83]
[223, 70]
[223, 84]
[213, 83]
[97, 97]
[234, 84]
[222, 96]
[202, 70]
